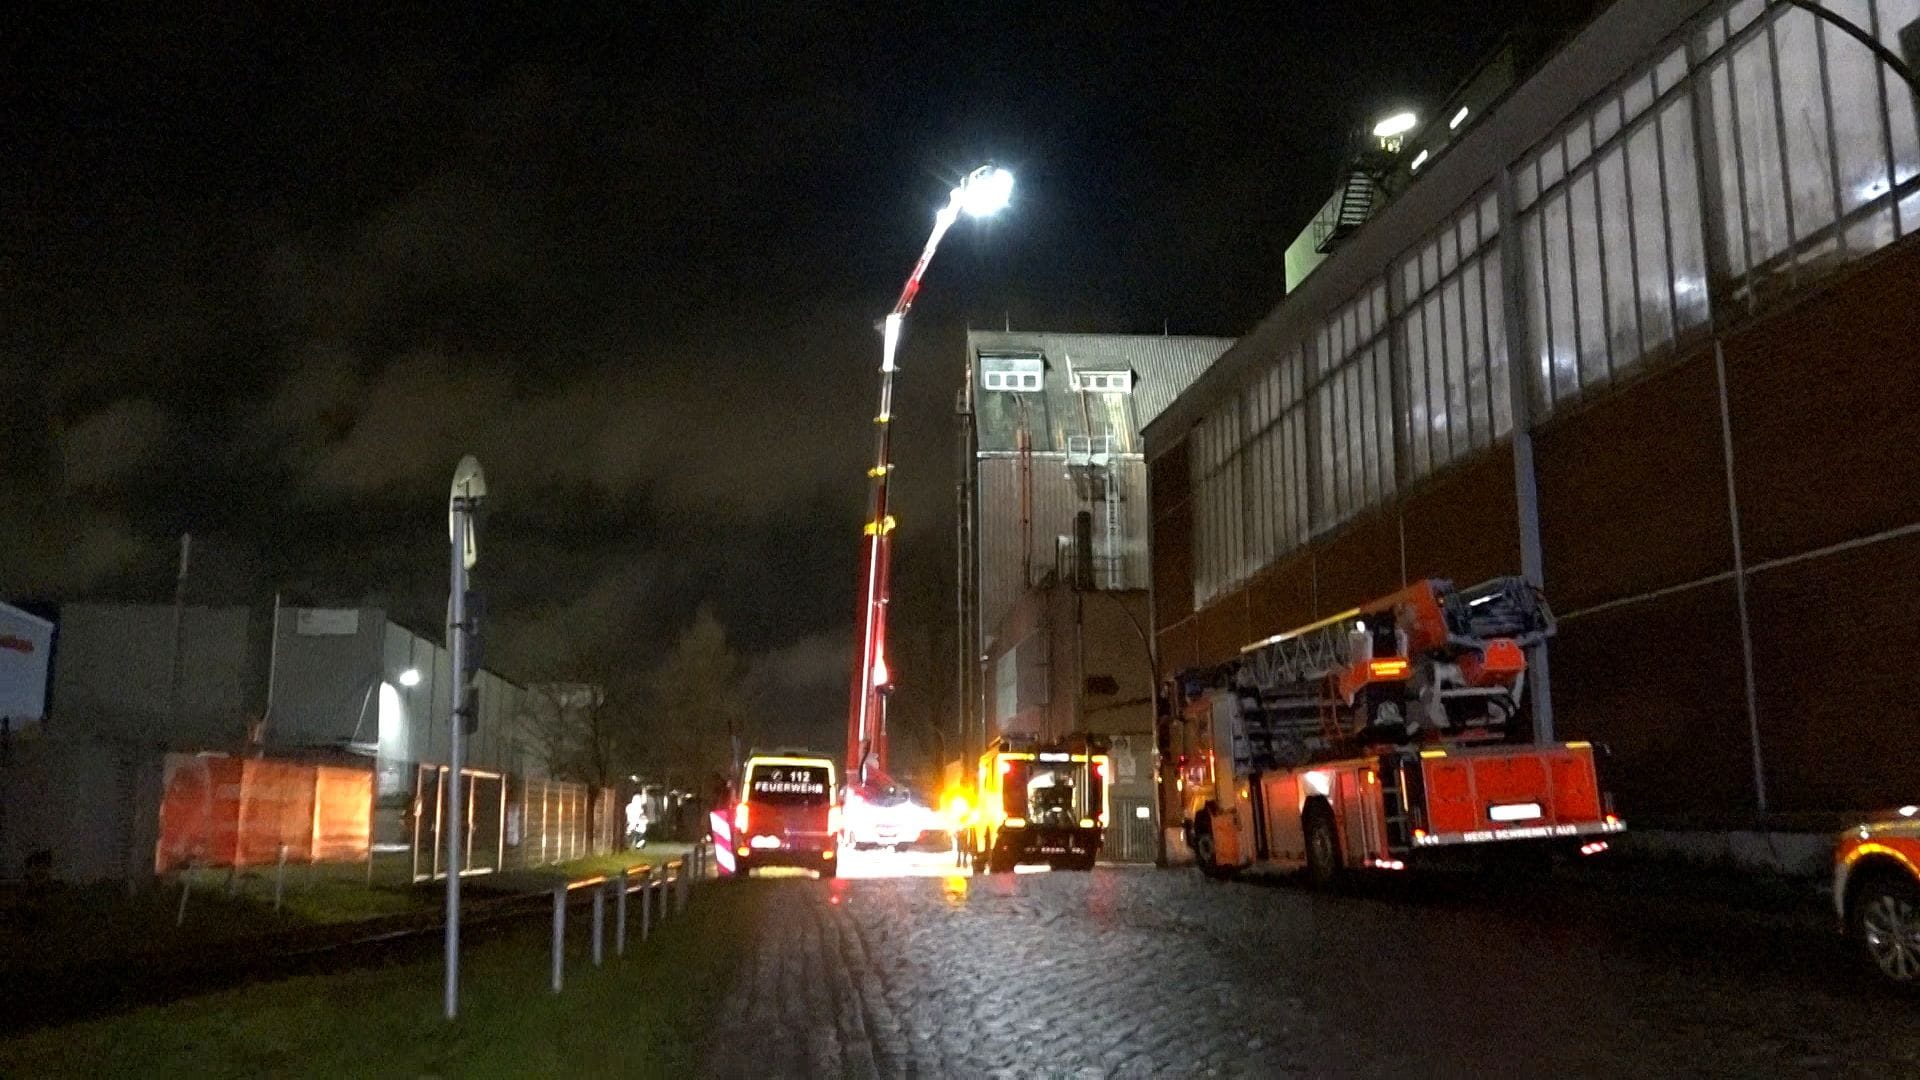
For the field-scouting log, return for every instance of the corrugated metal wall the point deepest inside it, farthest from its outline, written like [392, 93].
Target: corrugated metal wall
[1000, 535]
[114, 666]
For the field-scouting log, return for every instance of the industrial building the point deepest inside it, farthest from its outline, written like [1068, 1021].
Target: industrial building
[1050, 429]
[1639, 328]
[138, 690]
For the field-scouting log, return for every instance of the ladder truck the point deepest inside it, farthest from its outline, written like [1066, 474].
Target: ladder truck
[1386, 737]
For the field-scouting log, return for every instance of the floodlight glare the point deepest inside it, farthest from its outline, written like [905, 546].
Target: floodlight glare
[410, 677]
[985, 191]
[1397, 124]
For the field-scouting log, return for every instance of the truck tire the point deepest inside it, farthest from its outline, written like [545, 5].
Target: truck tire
[1203, 850]
[1883, 919]
[1323, 847]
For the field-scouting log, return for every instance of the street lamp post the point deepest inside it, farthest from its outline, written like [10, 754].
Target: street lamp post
[463, 505]
[983, 192]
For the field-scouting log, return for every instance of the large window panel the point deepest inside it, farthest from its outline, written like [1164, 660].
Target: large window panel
[1499, 385]
[1563, 338]
[1474, 315]
[1414, 343]
[1351, 403]
[1453, 363]
[1890, 17]
[1815, 136]
[1614, 252]
[1589, 298]
[1617, 255]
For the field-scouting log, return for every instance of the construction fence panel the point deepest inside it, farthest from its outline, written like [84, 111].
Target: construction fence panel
[485, 797]
[218, 810]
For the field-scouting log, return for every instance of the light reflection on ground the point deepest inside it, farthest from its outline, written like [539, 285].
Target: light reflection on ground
[892, 864]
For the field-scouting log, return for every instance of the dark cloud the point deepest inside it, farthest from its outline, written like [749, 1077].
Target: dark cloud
[269, 275]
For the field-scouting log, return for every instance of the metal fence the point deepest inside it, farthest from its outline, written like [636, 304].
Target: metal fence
[511, 822]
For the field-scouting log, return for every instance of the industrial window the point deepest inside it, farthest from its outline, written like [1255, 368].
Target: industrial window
[1351, 401]
[1611, 232]
[1219, 537]
[1818, 150]
[1454, 346]
[1019, 374]
[1103, 382]
[1274, 461]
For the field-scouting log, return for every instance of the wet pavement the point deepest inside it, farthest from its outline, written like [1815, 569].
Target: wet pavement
[1138, 972]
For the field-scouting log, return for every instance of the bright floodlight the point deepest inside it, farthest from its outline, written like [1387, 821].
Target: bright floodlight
[986, 190]
[410, 677]
[1397, 124]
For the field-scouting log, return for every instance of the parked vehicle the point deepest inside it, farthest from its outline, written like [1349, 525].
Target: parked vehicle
[1876, 893]
[1385, 738]
[891, 818]
[1040, 803]
[787, 814]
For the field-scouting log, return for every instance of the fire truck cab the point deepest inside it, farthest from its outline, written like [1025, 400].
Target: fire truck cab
[1039, 804]
[1381, 739]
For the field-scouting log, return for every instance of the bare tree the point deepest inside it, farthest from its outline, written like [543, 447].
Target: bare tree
[698, 706]
[585, 719]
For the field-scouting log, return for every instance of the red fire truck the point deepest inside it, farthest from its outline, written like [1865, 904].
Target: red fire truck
[1384, 738]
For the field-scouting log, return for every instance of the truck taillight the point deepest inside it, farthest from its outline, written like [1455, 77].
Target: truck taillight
[740, 817]
[1100, 768]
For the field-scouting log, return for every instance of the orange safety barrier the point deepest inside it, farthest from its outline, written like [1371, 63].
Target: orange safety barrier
[226, 811]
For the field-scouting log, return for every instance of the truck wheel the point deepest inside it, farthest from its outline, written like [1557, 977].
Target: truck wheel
[1203, 850]
[1884, 917]
[1323, 848]
[829, 869]
[1000, 862]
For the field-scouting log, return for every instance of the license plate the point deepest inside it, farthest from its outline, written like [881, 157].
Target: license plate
[765, 842]
[1515, 812]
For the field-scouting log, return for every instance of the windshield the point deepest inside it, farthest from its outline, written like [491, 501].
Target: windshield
[1050, 793]
[790, 784]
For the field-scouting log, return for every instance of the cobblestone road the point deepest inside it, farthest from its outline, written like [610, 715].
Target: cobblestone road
[1135, 972]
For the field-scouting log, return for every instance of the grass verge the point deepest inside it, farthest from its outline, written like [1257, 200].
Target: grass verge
[639, 1015]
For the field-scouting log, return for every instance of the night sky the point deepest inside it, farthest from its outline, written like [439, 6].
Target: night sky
[265, 280]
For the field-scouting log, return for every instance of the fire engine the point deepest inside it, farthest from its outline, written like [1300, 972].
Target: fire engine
[1039, 803]
[1383, 738]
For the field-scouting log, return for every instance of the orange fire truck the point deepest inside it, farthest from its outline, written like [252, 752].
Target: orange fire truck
[1039, 803]
[1384, 738]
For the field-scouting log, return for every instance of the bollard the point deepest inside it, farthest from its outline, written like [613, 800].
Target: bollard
[279, 877]
[646, 904]
[599, 917]
[620, 917]
[186, 886]
[682, 884]
[559, 932]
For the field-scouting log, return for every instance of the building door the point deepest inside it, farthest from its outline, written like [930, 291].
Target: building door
[1130, 835]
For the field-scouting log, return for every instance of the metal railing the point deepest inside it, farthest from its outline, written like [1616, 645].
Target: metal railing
[664, 889]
